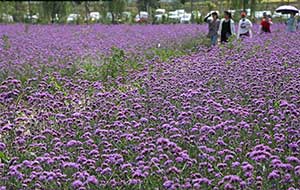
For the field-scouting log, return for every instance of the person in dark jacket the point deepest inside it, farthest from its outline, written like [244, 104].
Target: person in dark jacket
[226, 28]
[213, 27]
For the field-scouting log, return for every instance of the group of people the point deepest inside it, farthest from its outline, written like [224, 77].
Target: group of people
[225, 27]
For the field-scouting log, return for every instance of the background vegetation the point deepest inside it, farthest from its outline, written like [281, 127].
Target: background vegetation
[47, 10]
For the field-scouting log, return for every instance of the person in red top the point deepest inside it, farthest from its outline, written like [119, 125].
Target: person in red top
[265, 25]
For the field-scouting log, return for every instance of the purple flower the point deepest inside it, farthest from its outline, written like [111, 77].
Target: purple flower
[73, 143]
[143, 120]
[76, 184]
[293, 159]
[106, 171]
[235, 164]
[167, 184]
[2, 146]
[274, 175]
[179, 159]
[92, 179]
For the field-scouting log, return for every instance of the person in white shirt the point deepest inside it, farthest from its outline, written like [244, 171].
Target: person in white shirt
[245, 26]
[226, 28]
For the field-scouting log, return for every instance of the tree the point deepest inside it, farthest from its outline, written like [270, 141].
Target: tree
[148, 5]
[17, 11]
[29, 9]
[192, 8]
[245, 4]
[253, 7]
[51, 8]
[87, 11]
[116, 7]
[144, 5]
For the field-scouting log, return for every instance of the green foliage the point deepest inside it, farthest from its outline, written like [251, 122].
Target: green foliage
[143, 5]
[3, 157]
[192, 45]
[211, 6]
[116, 65]
[116, 8]
[231, 42]
[6, 42]
[165, 53]
[51, 8]
[197, 19]
[276, 105]
[184, 48]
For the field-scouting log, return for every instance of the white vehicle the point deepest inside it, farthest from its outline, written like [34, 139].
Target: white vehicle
[109, 16]
[248, 12]
[279, 15]
[32, 18]
[259, 14]
[159, 13]
[7, 18]
[126, 15]
[173, 16]
[141, 17]
[232, 12]
[186, 18]
[95, 16]
[73, 18]
[276, 15]
[180, 12]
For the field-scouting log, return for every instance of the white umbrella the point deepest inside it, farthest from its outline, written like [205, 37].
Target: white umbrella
[286, 9]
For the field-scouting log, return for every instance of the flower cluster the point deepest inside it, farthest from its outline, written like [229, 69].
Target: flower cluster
[227, 118]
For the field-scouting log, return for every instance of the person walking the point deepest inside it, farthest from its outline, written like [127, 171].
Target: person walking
[226, 28]
[291, 23]
[213, 27]
[245, 26]
[265, 25]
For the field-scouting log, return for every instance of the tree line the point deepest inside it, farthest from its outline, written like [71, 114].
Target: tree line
[48, 11]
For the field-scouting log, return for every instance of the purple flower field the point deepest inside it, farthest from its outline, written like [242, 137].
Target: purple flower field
[228, 118]
[55, 46]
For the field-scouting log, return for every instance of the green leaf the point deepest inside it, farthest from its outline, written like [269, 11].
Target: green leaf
[3, 157]
[276, 104]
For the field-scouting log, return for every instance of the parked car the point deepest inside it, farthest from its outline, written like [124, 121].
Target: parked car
[279, 15]
[142, 17]
[237, 12]
[7, 18]
[159, 14]
[95, 16]
[109, 16]
[126, 16]
[72, 18]
[186, 18]
[31, 18]
[232, 12]
[248, 12]
[173, 17]
[180, 12]
[259, 14]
